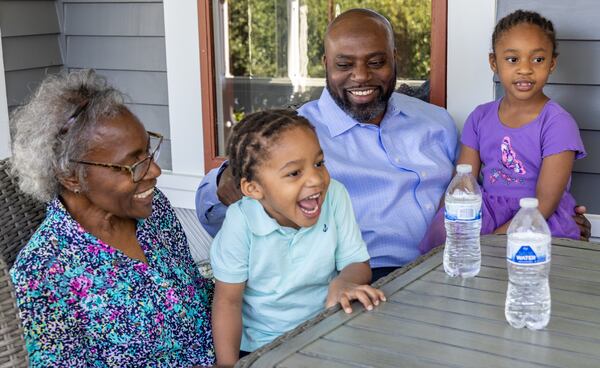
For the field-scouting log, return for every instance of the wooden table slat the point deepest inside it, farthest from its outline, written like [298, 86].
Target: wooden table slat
[556, 281]
[451, 314]
[559, 296]
[468, 340]
[345, 352]
[494, 298]
[586, 255]
[475, 308]
[427, 352]
[304, 361]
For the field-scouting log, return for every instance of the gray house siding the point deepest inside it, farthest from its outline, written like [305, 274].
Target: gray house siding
[124, 41]
[576, 82]
[30, 44]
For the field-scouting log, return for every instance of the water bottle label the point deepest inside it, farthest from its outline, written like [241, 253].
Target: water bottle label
[462, 211]
[532, 253]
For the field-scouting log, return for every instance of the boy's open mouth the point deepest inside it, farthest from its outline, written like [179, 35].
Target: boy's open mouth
[310, 205]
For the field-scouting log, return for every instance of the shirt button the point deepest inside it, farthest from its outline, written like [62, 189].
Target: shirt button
[424, 174]
[398, 160]
[429, 206]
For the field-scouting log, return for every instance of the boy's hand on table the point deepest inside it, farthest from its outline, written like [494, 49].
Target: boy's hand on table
[344, 292]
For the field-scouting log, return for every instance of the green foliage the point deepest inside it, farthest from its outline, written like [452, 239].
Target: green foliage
[261, 48]
[257, 37]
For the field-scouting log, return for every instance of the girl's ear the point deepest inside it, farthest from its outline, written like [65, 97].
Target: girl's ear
[492, 60]
[553, 63]
[252, 189]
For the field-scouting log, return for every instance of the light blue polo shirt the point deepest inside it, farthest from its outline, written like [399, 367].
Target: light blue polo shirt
[287, 271]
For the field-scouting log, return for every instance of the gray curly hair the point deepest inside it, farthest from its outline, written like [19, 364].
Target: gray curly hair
[48, 135]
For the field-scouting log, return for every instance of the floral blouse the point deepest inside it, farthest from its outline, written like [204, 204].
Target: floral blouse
[86, 304]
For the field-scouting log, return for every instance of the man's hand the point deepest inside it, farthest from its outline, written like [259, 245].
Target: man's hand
[585, 227]
[343, 292]
[227, 189]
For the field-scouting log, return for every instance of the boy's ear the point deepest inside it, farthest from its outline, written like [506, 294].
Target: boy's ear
[492, 60]
[251, 188]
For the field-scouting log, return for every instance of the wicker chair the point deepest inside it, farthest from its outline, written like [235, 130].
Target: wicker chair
[20, 215]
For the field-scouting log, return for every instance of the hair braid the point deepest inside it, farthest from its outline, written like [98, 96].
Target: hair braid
[524, 16]
[250, 141]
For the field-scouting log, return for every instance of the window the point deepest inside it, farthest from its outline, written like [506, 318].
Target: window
[259, 54]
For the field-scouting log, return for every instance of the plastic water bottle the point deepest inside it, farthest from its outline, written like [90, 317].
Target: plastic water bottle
[462, 217]
[528, 254]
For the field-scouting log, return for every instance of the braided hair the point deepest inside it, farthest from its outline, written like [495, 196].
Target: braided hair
[250, 140]
[523, 16]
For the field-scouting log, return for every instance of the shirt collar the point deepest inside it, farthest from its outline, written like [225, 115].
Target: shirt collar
[340, 122]
[262, 224]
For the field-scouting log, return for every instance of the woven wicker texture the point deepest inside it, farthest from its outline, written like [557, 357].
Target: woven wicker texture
[20, 215]
[12, 346]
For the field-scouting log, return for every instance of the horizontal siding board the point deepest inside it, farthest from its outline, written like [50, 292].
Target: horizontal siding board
[575, 19]
[120, 53]
[591, 163]
[22, 18]
[114, 19]
[21, 83]
[141, 87]
[584, 188]
[579, 101]
[31, 52]
[155, 118]
[578, 63]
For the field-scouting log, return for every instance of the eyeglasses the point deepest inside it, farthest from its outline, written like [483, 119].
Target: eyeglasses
[139, 169]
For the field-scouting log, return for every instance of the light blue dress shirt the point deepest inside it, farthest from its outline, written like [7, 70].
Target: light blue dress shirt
[396, 173]
[286, 271]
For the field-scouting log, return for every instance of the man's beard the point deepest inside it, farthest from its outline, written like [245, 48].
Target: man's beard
[363, 113]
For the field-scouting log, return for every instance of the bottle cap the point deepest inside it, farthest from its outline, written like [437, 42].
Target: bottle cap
[528, 202]
[464, 169]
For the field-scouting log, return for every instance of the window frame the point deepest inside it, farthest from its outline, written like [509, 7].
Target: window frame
[437, 96]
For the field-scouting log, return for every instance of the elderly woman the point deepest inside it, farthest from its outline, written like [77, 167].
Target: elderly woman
[107, 279]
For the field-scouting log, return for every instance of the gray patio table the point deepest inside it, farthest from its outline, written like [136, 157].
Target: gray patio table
[432, 320]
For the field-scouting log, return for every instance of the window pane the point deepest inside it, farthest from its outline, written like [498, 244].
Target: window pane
[268, 52]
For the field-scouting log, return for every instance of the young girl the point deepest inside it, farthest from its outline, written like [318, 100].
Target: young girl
[291, 246]
[526, 142]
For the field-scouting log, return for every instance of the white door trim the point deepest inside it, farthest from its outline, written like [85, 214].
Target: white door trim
[4, 127]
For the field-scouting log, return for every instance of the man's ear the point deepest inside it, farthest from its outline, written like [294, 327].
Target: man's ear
[492, 60]
[324, 61]
[251, 188]
[71, 184]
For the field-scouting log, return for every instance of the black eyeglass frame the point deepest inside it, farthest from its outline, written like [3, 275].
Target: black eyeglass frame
[131, 168]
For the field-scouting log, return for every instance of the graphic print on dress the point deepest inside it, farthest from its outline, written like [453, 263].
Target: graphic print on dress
[510, 162]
